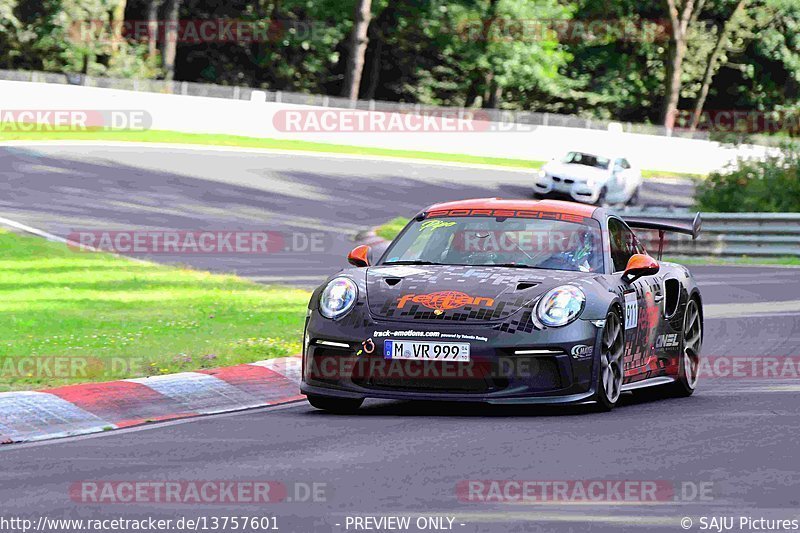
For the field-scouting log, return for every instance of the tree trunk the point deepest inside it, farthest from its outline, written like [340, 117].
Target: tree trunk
[491, 90]
[711, 67]
[358, 48]
[675, 71]
[152, 27]
[117, 21]
[680, 21]
[494, 94]
[375, 70]
[171, 38]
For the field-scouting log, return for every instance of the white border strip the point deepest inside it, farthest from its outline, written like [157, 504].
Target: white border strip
[55, 238]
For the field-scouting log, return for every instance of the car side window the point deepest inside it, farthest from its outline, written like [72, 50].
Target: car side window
[625, 164]
[624, 244]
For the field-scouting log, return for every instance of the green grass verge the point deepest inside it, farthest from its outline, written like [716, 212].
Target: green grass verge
[390, 230]
[11, 132]
[114, 318]
[743, 260]
[649, 174]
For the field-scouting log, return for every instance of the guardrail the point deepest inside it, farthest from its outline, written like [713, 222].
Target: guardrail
[730, 235]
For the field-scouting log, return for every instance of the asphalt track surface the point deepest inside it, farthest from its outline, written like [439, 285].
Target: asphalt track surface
[737, 437]
[305, 199]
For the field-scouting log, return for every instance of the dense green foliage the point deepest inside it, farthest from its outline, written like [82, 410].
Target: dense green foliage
[483, 53]
[772, 185]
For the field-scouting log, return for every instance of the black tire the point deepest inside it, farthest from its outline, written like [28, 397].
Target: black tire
[634, 199]
[691, 345]
[611, 360]
[601, 198]
[334, 405]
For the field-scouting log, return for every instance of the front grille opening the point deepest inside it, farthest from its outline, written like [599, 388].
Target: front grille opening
[328, 364]
[433, 376]
[539, 371]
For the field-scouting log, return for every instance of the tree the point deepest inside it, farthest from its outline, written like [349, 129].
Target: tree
[682, 15]
[152, 28]
[723, 36]
[171, 38]
[358, 49]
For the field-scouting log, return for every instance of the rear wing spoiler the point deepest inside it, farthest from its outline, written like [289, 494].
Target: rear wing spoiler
[664, 224]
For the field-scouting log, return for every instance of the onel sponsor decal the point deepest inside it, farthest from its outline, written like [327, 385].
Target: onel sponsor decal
[667, 341]
[444, 300]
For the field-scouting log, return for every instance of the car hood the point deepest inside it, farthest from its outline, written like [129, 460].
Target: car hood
[576, 172]
[460, 294]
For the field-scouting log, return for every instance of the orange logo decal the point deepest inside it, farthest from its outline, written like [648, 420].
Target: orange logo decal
[444, 300]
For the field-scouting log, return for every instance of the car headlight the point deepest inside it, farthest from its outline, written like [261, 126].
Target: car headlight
[338, 297]
[561, 305]
[542, 173]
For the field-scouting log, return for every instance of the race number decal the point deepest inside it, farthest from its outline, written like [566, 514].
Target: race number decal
[631, 310]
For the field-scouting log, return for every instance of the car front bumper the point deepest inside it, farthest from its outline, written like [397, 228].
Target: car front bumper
[502, 368]
[578, 191]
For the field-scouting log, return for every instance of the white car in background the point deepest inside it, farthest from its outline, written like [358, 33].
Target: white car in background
[590, 178]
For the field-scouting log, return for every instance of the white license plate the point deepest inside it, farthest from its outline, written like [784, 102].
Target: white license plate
[433, 351]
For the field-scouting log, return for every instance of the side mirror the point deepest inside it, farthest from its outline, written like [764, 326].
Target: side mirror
[360, 256]
[640, 265]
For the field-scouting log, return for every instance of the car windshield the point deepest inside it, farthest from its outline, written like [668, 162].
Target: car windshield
[500, 241]
[589, 160]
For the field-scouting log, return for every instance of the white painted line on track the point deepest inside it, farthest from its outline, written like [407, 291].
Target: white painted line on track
[55, 238]
[753, 309]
